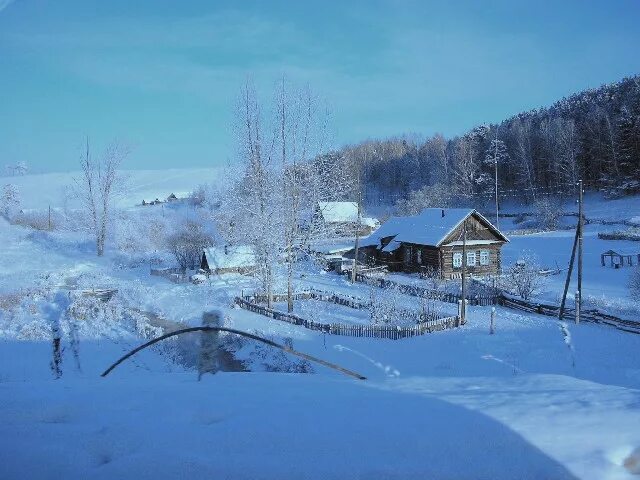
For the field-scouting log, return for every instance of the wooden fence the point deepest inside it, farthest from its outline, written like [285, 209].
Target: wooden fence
[344, 300]
[176, 275]
[586, 315]
[418, 291]
[373, 331]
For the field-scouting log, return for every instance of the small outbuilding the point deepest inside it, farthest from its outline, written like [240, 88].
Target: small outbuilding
[619, 259]
[228, 259]
[342, 218]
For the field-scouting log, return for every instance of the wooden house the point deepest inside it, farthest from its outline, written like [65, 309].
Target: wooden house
[433, 240]
[228, 259]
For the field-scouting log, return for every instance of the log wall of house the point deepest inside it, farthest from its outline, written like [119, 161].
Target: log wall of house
[448, 270]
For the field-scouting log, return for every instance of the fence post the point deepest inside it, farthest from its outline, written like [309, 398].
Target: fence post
[492, 325]
[207, 360]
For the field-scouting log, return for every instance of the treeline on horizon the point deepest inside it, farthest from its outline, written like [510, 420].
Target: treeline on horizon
[593, 135]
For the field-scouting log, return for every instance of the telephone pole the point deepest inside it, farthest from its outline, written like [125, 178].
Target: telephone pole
[580, 236]
[463, 305]
[354, 272]
[495, 162]
[577, 245]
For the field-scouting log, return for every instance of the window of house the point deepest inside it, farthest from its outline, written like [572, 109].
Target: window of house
[484, 257]
[471, 259]
[419, 256]
[457, 260]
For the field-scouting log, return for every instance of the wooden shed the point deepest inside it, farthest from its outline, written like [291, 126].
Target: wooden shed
[433, 239]
[228, 259]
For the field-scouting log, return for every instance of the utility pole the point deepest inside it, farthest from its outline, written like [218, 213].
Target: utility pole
[463, 305]
[580, 236]
[355, 258]
[566, 283]
[495, 162]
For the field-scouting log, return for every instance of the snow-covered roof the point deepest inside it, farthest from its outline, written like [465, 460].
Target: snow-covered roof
[370, 222]
[238, 256]
[430, 227]
[339, 211]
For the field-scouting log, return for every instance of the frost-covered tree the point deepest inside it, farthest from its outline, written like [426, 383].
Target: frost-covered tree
[548, 212]
[187, 243]
[251, 210]
[429, 196]
[97, 187]
[9, 200]
[18, 169]
[524, 277]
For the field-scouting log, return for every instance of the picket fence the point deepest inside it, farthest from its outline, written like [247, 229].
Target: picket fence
[373, 331]
[341, 299]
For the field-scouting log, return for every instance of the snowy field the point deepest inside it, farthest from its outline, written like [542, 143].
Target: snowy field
[527, 402]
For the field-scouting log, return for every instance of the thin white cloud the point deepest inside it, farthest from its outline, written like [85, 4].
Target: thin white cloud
[4, 4]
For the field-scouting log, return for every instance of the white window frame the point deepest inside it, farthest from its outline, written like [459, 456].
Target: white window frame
[471, 259]
[485, 258]
[457, 259]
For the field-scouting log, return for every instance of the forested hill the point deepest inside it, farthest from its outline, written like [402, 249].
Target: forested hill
[594, 135]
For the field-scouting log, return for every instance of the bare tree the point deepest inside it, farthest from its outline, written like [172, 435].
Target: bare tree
[524, 277]
[187, 244]
[548, 212]
[97, 187]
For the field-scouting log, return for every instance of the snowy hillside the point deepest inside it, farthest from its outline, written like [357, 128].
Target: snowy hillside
[51, 189]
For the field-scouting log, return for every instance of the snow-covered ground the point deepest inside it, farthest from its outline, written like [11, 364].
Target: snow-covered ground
[526, 402]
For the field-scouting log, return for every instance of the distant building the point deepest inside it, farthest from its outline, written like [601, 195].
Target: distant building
[172, 198]
[228, 259]
[433, 240]
[341, 218]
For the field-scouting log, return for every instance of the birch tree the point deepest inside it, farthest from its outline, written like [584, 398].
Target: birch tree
[97, 186]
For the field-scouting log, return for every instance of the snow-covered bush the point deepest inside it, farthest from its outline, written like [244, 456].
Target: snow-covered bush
[524, 278]
[632, 233]
[9, 201]
[38, 220]
[187, 243]
[634, 283]
[548, 212]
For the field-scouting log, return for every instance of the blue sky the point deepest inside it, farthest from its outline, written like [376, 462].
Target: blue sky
[163, 75]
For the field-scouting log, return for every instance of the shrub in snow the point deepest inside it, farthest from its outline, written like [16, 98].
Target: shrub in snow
[38, 220]
[9, 201]
[632, 233]
[524, 277]
[187, 243]
[548, 212]
[634, 283]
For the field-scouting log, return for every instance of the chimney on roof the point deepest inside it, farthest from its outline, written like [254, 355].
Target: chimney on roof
[443, 213]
